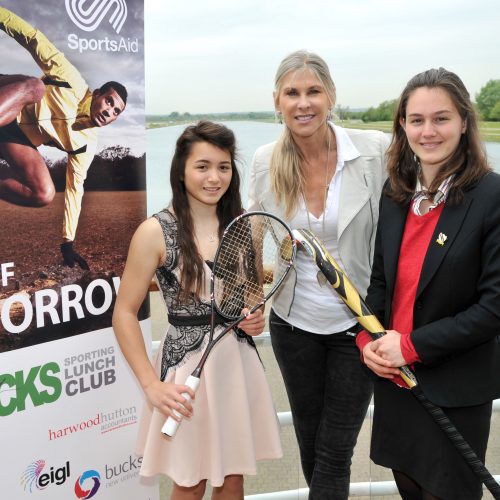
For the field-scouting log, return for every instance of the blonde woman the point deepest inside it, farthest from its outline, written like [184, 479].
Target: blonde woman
[328, 179]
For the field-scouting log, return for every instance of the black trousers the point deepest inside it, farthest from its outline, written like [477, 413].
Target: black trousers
[329, 392]
[13, 133]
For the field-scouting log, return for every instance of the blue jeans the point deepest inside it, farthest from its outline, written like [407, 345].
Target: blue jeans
[329, 392]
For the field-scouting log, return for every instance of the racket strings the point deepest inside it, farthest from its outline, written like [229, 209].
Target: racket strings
[249, 263]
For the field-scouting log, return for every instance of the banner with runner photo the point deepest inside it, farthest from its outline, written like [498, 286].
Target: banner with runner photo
[72, 192]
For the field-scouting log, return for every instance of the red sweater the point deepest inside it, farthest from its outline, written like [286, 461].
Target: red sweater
[416, 239]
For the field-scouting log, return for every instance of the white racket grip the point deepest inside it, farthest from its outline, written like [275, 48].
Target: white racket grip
[170, 426]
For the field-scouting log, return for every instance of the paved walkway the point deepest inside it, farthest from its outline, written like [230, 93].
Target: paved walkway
[285, 474]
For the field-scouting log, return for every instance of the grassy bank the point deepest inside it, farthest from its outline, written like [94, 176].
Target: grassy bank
[490, 131]
[152, 123]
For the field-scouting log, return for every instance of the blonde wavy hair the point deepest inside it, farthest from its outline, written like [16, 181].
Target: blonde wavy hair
[286, 168]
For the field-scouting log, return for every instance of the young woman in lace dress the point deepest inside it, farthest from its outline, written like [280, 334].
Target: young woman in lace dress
[232, 422]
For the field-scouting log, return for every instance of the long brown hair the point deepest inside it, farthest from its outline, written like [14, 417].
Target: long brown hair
[468, 163]
[229, 205]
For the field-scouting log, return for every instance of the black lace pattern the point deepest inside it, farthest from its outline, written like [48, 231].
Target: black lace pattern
[180, 341]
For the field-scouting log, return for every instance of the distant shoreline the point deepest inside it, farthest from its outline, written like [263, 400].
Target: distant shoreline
[490, 131]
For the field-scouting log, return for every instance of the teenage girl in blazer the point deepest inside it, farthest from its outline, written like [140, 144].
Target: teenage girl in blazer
[436, 285]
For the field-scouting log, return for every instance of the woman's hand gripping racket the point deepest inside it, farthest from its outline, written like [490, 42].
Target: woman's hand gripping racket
[254, 256]
[348, 293]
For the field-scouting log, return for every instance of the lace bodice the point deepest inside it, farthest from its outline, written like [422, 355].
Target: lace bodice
[181, 341]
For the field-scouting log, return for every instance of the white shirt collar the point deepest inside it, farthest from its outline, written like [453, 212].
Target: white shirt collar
[346, 150]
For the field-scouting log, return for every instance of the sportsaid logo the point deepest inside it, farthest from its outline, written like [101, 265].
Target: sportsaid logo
[89, 15]
[34, 477]
[87, 484]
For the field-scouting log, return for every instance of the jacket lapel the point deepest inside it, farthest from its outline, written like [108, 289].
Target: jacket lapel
[354, 195]
[448, 226]
[394, 224]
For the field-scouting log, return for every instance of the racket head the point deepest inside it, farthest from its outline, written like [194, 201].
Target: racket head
[255, 254]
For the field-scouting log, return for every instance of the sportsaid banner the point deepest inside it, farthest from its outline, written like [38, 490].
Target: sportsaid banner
[72, 192]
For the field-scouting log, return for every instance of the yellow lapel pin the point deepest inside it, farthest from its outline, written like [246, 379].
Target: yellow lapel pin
[441, 239]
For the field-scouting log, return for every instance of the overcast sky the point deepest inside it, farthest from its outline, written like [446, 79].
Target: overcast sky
[221, 55]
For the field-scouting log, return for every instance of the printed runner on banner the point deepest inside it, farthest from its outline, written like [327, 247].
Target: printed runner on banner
[72, 192]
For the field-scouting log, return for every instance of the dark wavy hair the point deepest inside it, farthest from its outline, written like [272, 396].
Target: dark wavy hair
[468, 163]
[229, 205]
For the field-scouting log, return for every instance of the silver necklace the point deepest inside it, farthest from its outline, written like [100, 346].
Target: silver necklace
[201, 235]
[327, 186]
[320, 277]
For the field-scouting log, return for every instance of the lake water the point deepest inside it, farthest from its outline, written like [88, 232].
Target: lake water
[160, 144]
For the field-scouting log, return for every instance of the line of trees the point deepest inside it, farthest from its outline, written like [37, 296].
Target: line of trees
[176, 117]
[487, 102]
[113, 169]
[383, 112]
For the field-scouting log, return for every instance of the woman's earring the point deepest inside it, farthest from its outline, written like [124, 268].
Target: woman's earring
[278, 115]
[416, 160]
[329, 116]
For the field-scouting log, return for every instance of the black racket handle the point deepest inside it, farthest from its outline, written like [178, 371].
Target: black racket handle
[468, 454]
[348, 293]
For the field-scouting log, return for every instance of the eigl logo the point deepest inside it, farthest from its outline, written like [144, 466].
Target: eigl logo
[34, 476]
[89, 15]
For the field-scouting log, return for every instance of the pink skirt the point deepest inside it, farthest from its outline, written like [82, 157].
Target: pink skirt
[234, 421]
